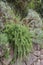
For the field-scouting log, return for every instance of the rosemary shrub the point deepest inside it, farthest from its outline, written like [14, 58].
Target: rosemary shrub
[19, 38]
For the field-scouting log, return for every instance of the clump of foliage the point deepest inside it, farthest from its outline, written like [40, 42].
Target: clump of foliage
[20, 7]
[36, 5]
[19, 38]
[4, 44]
[34, 22]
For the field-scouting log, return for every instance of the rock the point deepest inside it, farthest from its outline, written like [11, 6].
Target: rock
[33, 19]
[41, 51]
[41, 57]
[1, 52]
[37, 53]
[37, 63]
[36, 47]
[6, 61]
[41, 62]
[30, 60]
[19, 62]
[0, 63]
[6, 14]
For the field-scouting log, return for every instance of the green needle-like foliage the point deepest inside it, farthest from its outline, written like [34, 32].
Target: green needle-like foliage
[4, 44]
[19, 38]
